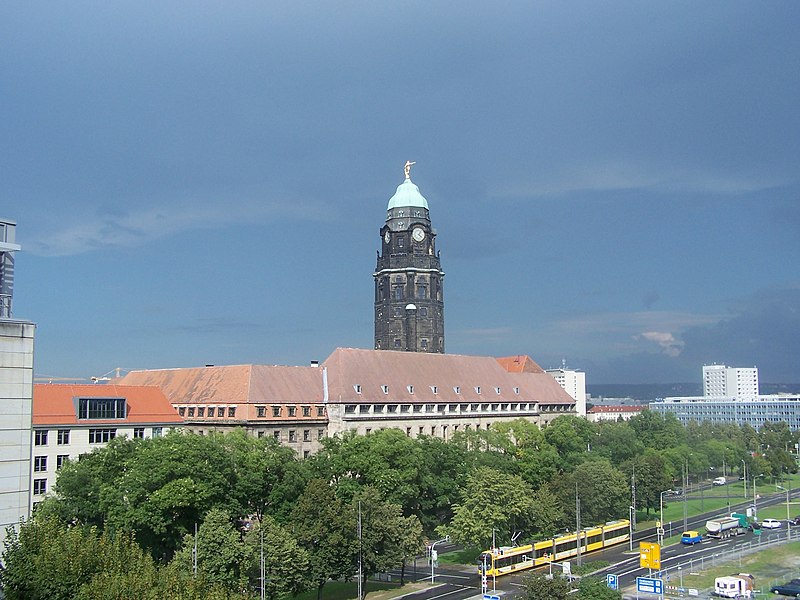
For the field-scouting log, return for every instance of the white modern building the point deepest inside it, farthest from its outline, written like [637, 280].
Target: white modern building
[721, 381]
[16, 392]
[574, 383]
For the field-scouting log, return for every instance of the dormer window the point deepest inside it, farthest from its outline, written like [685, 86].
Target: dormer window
[497, 389]
[410, 389]
[478, 389]
[457, 389]
[434, 389]
[516, 391]
[357, 388]
[385, 389]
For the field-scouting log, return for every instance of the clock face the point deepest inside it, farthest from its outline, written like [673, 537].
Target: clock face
[418, 234]
[386, 237]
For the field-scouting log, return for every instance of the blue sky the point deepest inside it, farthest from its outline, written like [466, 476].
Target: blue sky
[613, 183]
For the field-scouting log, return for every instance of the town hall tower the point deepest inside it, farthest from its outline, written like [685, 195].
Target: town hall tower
[409, 292]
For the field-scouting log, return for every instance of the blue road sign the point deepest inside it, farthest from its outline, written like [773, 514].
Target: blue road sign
[649, 585]
[490, 597]
[612, 581]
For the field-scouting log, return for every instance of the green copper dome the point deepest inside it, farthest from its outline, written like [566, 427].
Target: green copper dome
[407, 194]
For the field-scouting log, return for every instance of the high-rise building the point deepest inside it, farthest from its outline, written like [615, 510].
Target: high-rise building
[16, 392]
[574, 383]
[720, 381]
[409, 293]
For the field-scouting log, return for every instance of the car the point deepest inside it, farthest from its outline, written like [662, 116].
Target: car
[771, 524]
[795, 521]
[676, 492]
[719, 481]
[790, 588]
[690, 538]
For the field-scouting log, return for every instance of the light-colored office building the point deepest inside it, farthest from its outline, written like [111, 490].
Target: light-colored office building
[574, 383]
[720, 381]
[16, 392]
[754, 411]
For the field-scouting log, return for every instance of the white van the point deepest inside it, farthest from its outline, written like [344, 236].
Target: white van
[719, 481]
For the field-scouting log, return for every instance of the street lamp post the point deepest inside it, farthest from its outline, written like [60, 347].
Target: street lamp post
[632, 512]
[434, 555]
[744, 475]
[660, 529]
[755, 496]
[788, 524]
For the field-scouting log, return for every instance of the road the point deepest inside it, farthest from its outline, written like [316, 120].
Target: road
[455, 584]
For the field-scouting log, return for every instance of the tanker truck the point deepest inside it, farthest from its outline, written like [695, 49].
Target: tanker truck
[724, 527]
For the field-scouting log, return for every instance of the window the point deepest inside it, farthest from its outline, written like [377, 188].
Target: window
[138, 433]
[292, 411]
[422, 291]
[397, 343]
[385, 389]
[277, 435]
[101, 436]
[231, 411]
[39, 487]
[320, 411]
[39, 464]
[398, 312]
[63, 437]
[182, 411]
[261, 411]
[156, 432]
[320, 434]
[398, 295]
[423, 312]
[191, 411]
[357, 388]
[101, 408]
[306, 435]
[40, 438]
[306, 453]
[400, 239]
[478, 389]
[292, 435]
[201, 411]
[276, 411]
[306, 411]
[424, 343]
[260, 434]
[60, 460]
[211, 411]
[410, 389]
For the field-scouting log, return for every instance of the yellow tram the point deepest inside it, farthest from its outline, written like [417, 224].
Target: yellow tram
[504, 560]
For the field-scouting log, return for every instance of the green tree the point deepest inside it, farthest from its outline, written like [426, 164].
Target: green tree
[540, 587]
[570, 436]
[324, 527]
[602, 489]
[286, 564]
[221, 555]
[592, 588]
[491, 500]
[384, 540]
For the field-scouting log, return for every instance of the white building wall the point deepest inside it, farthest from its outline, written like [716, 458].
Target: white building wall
[720, 381]
[16, 403]
[574, 383]
[46, 454]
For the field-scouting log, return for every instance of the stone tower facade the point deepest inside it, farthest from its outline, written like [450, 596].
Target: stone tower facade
[409, 281]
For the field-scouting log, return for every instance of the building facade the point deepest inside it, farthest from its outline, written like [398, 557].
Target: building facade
[754, 412]
[613, 413]
[720, 381]
[71, 420]
[409, 281]
[362, 391]
[16, 392]
[574, 383]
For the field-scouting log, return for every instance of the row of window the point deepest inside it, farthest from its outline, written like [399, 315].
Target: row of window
[213, 411]
[96, 435]
[435, 389]
[40, 462]
[261, 411]
[292, 435]
[441, 408]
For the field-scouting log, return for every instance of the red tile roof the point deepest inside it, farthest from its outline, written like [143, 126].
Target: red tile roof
[53, 403]
[431, 377]
[519, 364]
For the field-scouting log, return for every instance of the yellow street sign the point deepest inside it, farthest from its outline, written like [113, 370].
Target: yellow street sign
[649, 555]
